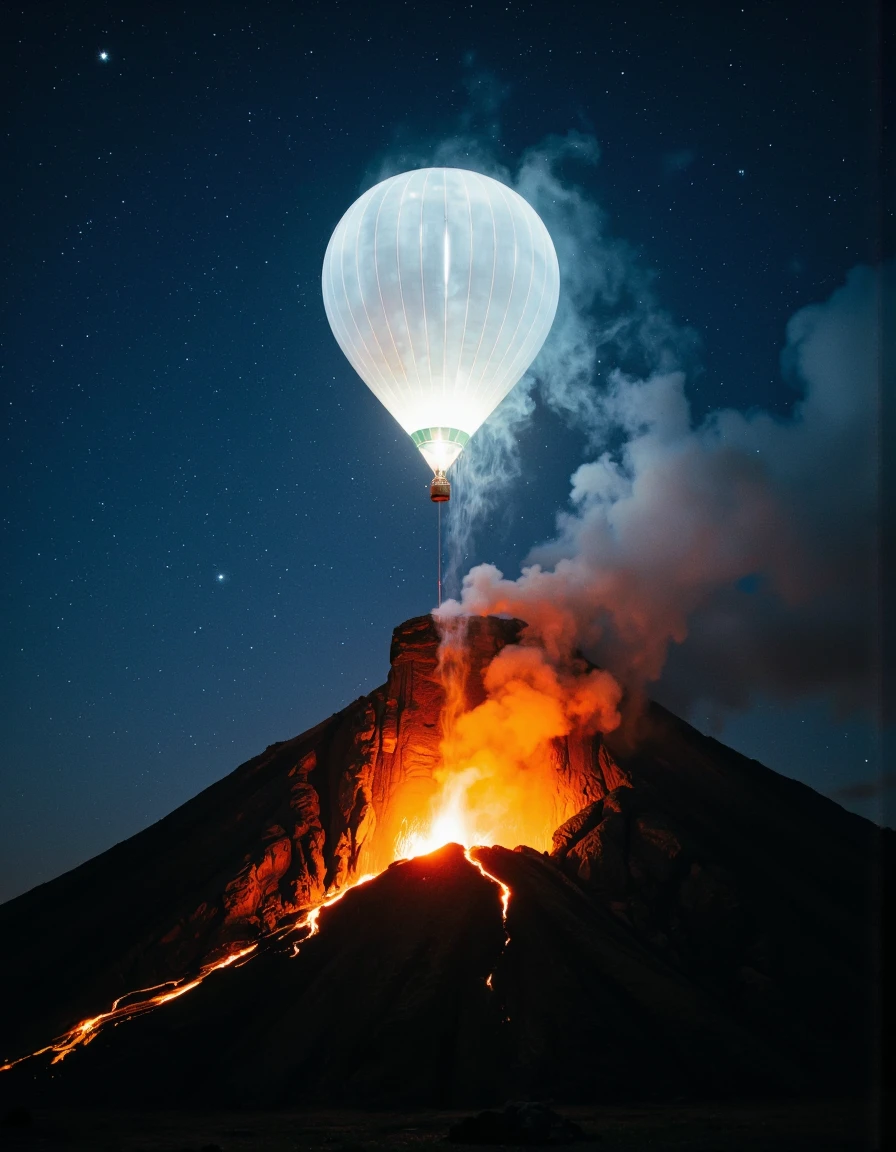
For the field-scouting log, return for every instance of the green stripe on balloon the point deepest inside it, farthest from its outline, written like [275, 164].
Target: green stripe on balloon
[434, 435]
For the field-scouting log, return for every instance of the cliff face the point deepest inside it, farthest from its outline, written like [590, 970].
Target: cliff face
[700, 921]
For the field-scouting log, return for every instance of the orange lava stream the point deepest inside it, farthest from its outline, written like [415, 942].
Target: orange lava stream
[311, 919]
[89, 1029]
[85, 1031]
[505, 891]
[125, 1007]
[505, 904]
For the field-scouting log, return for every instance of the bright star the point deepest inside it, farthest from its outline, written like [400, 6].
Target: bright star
[220, 577]
[104, 56]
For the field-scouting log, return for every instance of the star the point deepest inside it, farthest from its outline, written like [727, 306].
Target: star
[221, 578]
[103, 56]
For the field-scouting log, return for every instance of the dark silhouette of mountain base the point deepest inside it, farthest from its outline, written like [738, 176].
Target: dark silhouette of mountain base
[703, 926]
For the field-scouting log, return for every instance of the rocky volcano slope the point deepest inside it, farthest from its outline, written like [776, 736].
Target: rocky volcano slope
[702, 924]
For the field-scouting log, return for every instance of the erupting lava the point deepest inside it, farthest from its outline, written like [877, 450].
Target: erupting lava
[452, 822]
[500, 781]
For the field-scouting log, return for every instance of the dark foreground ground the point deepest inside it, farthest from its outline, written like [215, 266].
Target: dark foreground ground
[818, 1126]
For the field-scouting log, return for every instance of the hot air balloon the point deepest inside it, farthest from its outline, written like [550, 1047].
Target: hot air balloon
[440, 286]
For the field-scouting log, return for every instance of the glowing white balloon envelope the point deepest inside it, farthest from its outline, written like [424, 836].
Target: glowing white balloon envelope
[440, 286]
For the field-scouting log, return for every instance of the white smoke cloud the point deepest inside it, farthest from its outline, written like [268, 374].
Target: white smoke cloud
[744, 543]
[737, 552]
[607, 315]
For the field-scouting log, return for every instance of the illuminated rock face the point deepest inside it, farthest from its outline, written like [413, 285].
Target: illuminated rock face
[396, 776]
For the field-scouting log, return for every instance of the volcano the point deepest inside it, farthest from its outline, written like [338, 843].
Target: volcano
[698, 925]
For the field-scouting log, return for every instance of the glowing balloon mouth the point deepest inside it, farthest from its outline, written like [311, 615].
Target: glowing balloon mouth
[440, 447]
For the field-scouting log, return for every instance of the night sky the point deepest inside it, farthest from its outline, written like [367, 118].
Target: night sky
[210, 525]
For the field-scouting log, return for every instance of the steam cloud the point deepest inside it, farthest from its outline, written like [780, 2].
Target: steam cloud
[744, 540]
[735, 553]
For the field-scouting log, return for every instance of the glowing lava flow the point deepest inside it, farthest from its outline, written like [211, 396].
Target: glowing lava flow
[505, 904]
[89, 1029]
[505, 891]
[423, 843]
[311, 918]
[449, 827]
[126, 1007]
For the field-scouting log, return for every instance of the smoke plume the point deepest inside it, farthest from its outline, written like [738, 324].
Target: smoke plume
[726, 557]
[744, 542]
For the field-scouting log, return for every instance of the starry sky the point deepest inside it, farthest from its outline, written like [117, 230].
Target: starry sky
[210, 525]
